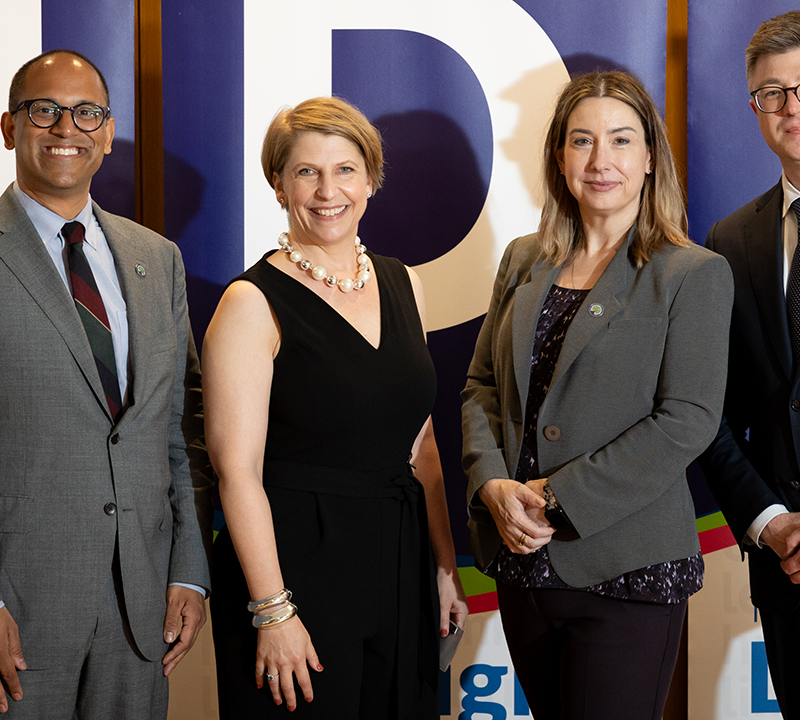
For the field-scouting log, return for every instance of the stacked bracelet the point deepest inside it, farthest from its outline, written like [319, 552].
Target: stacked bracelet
[278, 598]
[287, 612]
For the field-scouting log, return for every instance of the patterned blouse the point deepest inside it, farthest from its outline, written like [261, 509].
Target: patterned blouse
[668, 582]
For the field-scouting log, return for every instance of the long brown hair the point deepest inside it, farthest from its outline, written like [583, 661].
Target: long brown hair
[662, 214]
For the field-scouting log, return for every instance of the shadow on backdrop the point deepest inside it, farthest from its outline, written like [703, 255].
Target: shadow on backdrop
[433, 192]
[431, 200]
[114, 184]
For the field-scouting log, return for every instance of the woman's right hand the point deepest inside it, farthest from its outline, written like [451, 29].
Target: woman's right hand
[509, 502]
[285, 651]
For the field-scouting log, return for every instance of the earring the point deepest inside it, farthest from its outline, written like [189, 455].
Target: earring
[369, 194]
[282, 201]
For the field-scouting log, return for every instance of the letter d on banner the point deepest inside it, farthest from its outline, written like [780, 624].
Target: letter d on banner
[517, 67]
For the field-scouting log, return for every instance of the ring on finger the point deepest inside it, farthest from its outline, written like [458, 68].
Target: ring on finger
[522, 538]
[273, 678]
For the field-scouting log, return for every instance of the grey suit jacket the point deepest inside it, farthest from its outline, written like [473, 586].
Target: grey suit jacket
[636, 395]
[72, 482]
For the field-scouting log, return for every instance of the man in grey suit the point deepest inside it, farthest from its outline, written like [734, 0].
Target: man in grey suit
[752, 465]
[104, 499]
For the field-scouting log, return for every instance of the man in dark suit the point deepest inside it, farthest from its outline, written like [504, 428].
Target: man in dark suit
[752, 465]
[104, 500]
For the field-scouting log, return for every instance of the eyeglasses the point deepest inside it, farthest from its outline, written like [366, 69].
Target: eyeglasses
[771, 99]
[46, 113]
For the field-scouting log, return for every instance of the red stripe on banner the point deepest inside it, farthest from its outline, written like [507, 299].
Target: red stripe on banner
[485, 602]
[716, 539]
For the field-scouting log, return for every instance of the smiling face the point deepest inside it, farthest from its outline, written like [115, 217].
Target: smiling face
[605, 158]
[324, 187]
[55, 165]
[781, 130]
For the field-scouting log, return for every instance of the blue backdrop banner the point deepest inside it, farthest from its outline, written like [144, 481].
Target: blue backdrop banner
[461, 92]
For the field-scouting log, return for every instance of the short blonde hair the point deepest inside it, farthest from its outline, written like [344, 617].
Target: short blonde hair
[329, 116]
[662, 214]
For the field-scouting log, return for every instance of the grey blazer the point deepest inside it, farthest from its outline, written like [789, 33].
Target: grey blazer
[636, 395]
[72, 483]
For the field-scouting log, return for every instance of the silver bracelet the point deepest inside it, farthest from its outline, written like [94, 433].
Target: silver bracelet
[285, 613]
[278, 598]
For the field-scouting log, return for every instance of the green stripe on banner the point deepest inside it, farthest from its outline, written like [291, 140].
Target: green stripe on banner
[710, 522]
[475, 582]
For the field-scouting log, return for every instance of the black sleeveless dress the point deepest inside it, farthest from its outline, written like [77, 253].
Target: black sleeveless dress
[350, 519]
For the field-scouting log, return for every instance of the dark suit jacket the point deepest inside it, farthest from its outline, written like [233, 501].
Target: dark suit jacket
[752, 463]
[72, 482]
[635, 397]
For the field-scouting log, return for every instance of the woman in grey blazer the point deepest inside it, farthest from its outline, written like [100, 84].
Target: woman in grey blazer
[598, 376]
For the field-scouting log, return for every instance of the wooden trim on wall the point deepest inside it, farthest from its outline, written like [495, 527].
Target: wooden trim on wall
[677, 81]
[149, 118]
[675, 113]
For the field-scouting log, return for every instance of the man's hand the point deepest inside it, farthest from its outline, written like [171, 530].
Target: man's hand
[186, 605]
[11, 658]
[782, 534]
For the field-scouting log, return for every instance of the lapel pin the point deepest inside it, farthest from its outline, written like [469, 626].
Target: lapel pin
[140, 271]
[596, 309]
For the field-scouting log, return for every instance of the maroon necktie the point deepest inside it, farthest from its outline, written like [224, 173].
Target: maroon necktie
[93, 314]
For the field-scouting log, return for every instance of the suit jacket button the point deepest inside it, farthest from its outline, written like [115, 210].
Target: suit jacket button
[795, 404]
[110, 509]
[552, 433]
[115, 438]
[795, 484]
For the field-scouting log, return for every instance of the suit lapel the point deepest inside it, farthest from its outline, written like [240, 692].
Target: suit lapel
[764, 247]
[23, 252]
[598, 308]
[528, 301]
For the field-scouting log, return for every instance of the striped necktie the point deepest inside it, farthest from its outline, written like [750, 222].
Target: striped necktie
[93, 314]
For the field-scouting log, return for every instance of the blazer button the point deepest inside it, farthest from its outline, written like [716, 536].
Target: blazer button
[795, 484]
[552, 433]
[110, 509]
[795, 404]
[115, 438]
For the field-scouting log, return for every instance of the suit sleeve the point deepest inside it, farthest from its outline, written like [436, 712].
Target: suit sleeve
[737, 487]
[190, 488]
[643, 461]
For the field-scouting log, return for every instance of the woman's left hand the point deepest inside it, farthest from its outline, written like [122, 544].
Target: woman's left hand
[452, 601]
[537, 513]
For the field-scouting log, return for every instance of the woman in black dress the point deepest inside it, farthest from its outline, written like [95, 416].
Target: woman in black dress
[318, 388]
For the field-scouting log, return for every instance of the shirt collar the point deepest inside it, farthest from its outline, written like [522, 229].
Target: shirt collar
[790, 194]
[48, 224]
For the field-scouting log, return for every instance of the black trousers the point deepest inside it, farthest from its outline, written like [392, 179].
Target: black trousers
[782, 643]
[581, 656]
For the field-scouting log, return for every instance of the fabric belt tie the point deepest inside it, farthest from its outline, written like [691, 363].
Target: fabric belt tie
[419, 596]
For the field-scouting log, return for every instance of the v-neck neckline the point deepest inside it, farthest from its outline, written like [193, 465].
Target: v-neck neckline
[381, 307]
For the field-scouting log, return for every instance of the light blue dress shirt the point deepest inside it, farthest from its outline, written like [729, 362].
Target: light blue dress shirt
[95, 247]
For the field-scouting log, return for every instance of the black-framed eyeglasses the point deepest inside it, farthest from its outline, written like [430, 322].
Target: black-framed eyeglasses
[771, 99]
[46, 113]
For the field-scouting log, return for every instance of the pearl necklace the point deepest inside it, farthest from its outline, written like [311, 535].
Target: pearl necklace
[319, 273]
